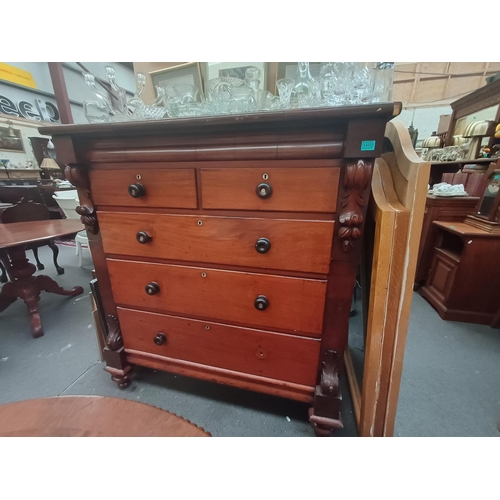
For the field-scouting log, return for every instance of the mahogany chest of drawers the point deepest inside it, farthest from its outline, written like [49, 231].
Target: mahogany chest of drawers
[226, 247]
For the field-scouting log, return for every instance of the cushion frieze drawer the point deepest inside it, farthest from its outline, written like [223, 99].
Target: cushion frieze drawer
[143, 187]
[269, 301]
[274, 189]
[273, 355]
[291, 245]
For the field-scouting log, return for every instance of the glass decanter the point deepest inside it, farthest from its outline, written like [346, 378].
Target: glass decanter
[119, 94]
[96, 105]
[302, 85]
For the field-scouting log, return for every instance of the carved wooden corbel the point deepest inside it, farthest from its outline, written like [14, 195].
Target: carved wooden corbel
[354, 199]
[79, 177]
[114, 339]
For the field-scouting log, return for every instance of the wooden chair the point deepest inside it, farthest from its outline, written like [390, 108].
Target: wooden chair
[399, 189]
[26, 211]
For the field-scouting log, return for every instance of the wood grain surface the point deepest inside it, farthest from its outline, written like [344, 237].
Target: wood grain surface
[273, 355]
[20, 233]
[295, 304]
[294, 189]
[295, 245]
[165, 187]
[91, 416]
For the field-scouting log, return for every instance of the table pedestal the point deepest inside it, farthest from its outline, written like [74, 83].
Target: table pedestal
[25, 286]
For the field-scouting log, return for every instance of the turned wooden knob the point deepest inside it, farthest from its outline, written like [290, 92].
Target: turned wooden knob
[143, 237]
[261, 303]
[152, 288]
[160, 339]
[136, 190]
[263, 245]
[264, 190]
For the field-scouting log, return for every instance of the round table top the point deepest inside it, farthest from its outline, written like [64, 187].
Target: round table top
[91, 416]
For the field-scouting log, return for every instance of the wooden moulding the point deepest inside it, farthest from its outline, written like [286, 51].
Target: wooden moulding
[222, 376]
[399, 187]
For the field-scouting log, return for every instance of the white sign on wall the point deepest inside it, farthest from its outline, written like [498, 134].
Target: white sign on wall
[40, 111]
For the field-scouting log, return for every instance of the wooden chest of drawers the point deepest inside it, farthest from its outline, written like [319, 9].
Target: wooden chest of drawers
[226, 247]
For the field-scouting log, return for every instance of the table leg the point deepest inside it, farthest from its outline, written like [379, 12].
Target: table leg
[24, 285]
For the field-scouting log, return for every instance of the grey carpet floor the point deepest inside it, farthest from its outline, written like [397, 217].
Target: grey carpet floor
[450, 384]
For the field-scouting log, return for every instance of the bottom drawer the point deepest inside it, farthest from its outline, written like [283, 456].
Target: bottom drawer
[272, 355]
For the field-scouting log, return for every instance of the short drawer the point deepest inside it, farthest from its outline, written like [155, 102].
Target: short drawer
[144, 187]
[272, 355]
[267, 243]
[292, 304]
[273, 189]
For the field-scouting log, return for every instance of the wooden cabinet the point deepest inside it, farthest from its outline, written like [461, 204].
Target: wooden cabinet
[226, 248]
[439, 209]
[464, 281]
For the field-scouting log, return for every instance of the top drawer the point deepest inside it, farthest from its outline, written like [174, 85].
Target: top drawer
[274, 189]
[161, 187]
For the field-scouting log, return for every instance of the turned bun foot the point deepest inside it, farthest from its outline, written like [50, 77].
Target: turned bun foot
[122, 380]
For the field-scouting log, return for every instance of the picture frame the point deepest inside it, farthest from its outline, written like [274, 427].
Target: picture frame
[235, 70]
[490, 200]
[189, 73]
[11, 139]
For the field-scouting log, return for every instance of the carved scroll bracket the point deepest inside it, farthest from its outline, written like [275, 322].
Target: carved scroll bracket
[114, 339]
[79, 177]
[354, 199]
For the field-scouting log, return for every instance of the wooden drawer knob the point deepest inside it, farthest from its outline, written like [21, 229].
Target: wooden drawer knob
[263, 245]
[152, 288]
[261, 303]
[160, 339]
[264, 190]
[136, 190]
[143, 237]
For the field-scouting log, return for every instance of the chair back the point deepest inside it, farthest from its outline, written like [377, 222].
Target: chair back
[25, 211]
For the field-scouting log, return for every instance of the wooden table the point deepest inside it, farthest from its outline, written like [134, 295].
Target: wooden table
[91, 416]
[13, 240]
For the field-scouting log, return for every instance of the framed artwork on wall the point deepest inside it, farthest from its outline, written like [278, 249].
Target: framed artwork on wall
[11, 139]
[234, 70]
[188, 73]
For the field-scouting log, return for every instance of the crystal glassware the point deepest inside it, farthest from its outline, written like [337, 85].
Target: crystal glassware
[135, 104]
[96, 105]
[185, 92]
[301, 88]
[285, 87]
[242, 100]
[119, 95]
[383, 76]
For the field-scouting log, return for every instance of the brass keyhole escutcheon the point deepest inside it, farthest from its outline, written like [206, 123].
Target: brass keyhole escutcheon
[200, 223]
[265, 177]
[203, 275]
[138, 177]
[207, 327]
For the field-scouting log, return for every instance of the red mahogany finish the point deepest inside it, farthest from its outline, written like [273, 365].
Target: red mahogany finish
[226, 247]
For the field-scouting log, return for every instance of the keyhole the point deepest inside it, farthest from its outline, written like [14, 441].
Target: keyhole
[265, 177]
[138, 177]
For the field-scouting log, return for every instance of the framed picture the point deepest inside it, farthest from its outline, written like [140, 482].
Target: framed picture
[234, 70]
[189, 73]
[490, 201]
[11, 139]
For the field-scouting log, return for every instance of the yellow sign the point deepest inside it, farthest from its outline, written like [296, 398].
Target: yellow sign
[16, 75]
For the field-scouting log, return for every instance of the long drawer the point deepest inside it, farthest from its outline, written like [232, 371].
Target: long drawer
[273, 355]
[144, 187]
[266, 243]
[292, 304]
[272, 189]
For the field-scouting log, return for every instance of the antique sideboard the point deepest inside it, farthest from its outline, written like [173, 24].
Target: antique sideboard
[226, 248]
